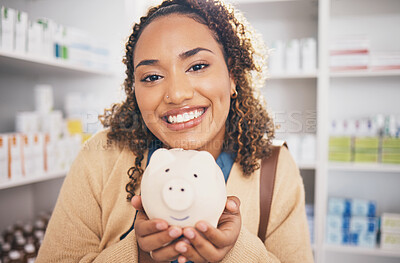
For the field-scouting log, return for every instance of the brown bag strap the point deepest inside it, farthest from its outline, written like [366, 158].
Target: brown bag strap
[267, 181]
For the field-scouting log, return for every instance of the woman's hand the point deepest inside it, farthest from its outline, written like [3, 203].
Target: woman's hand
[209, 244]
[155, 237]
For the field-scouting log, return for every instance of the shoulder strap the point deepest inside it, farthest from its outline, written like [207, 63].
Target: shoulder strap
[267, 181]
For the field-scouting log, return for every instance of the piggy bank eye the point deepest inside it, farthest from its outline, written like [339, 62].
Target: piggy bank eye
[195, 175]
[167, 170]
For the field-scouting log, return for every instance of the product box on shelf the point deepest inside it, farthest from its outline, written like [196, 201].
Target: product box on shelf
[15, 144]
[340, 149]
[7, 27]
[351, 221]
[390, 222]
[366, 149]
[35, 36]
[390, 241]
[390, 231]
[308, 55]
[385, 60]
[3, 157]
[349, 52]
[21, 31]
[38, 149]
[391, 150]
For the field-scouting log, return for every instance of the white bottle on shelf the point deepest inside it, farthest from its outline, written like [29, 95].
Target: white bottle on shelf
[308, 55]
[293, 57]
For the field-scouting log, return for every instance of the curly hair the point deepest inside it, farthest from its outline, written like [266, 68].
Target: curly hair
[249, 128]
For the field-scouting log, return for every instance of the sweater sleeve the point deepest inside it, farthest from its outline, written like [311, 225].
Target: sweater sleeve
[287, 237]
[287, 233]
[75, 229]
[249, 248]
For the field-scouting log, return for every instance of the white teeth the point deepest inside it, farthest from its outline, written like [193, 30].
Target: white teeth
[187, 116]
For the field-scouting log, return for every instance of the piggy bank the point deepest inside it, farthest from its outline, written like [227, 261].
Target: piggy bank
[183, 187]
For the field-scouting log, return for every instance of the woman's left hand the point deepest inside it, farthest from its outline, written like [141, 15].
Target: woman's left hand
[209, 244]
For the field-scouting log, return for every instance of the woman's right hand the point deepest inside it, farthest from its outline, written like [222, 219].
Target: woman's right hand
[154, 236]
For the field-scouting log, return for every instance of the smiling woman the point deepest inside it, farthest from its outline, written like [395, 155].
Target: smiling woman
[192, 73]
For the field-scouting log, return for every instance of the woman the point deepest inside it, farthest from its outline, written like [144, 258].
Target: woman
[191, 72]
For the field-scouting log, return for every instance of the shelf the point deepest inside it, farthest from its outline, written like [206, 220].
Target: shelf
[362, 251]
[14, 63]
[365, 167]
[365, 73]
[265, 1]
[306, 165]
[293, 76]
[31, 180]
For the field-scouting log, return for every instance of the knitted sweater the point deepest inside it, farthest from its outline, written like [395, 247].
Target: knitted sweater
[92, 212]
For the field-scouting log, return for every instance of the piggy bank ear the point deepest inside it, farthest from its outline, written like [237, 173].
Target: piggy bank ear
[160, 158]
[203, 158]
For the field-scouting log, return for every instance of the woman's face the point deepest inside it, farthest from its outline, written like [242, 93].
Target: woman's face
[182, 83]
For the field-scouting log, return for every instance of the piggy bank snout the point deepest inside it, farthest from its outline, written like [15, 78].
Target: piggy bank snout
[178, 194]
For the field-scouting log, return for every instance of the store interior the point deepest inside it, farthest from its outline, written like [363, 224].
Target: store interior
[332, 88]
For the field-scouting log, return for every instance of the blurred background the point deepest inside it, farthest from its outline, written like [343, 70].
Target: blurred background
[333, 89]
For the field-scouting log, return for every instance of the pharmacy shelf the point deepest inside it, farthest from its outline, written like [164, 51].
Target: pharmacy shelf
[313, 75]
[366, 73]
[362, 251]
[364, 167]
[306, 165]
[15, 63]
[32, 179]
[265, 1]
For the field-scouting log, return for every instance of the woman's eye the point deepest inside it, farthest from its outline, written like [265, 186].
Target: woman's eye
[198, 67]
[151, 78]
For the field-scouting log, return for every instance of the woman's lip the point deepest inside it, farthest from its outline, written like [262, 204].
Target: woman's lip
[185, 125]
[181, 110]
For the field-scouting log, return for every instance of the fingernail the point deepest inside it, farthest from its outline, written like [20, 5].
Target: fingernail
[181, 248]
[202, 227]
[161, 226]
[232, 204]
[189, 233]
[174, 233]
[185, 240]
[182, 259]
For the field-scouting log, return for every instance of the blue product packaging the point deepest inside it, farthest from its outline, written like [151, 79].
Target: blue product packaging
[361, 207]
[339, 206]
[338, 222]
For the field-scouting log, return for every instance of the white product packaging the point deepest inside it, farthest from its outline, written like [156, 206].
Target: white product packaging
[390, 223]
[3, 157]
[385, 60]
[7, 19]
[21, 32]
[35, 38]
[79, 47]
[390, 241]
[43, 98]
[52, 123]
[276, 57]
[60, 49]
[28, 154]
[293, 56]
[16, 156]
[38, 153]
[308, 55]
[308, 148]
[49, 28]
[27, 122]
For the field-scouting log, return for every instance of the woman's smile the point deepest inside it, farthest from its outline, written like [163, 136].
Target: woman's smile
[184, 118]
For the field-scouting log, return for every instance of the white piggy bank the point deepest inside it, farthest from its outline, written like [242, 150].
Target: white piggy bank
[183, 187]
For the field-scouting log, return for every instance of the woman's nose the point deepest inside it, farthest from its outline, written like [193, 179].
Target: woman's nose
[178, 89]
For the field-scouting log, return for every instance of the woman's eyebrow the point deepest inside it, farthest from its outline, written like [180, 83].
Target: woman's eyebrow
[147, 62]
[193, 52]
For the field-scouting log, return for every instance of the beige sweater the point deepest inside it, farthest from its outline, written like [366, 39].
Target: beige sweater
[92, 212]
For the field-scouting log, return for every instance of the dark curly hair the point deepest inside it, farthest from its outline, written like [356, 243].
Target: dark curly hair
[249, 128]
